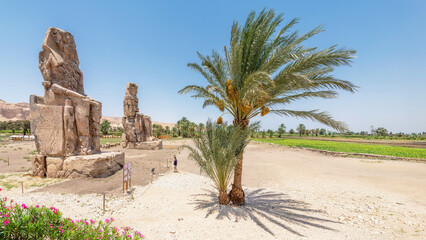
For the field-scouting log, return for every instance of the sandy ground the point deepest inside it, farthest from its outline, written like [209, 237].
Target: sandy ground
[291, 194]
[18, 153]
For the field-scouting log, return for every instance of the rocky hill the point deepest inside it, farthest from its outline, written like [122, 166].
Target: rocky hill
[116, 122]
[21, 111]
[14, 111]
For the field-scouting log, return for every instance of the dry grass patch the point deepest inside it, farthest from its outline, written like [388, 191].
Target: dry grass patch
[10, 181]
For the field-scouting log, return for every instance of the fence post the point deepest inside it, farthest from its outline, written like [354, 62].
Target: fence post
[103, 206]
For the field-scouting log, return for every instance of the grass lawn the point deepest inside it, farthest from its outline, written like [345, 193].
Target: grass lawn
[350, 147]
[110, 140]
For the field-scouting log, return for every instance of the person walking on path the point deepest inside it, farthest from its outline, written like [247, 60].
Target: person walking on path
[175, 164]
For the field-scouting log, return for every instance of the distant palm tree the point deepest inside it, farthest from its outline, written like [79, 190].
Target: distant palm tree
[175, 132]
[157, 130]
[216, 153]
[261, 73]
[200, 128]
[317, 131]
[254, 128]
[191, 128]
[183, 126]
[281, 130]
[301, 129]
[270, 132]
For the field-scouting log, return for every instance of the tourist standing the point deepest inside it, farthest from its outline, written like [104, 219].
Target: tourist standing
[175, 164]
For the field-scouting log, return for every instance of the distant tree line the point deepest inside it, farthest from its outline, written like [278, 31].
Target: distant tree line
[19, 126]
[107, 129]
[185, 128]
[302, 130]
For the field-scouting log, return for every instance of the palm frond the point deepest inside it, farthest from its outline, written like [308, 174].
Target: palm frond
[304, 95]
[314, 115]
[216, 152]
[268, 65]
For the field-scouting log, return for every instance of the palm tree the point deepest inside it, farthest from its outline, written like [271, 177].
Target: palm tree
[261, 72]
[175, 132]
[191, 129]
[301, 129]
[254, 128]
[281, 130]
[201, 128]
[216, 153]
[157, 130]
[104, 128]
[183, 126]
[270, 132]
[317, 131]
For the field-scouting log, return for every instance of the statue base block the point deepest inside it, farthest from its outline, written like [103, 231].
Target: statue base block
[81, 166]
[148, 145]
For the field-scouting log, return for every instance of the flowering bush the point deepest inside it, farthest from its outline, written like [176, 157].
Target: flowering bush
[40, 222]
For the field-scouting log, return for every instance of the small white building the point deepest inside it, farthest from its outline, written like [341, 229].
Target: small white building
[22, 137]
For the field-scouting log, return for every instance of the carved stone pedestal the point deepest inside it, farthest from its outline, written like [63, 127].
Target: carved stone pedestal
[96, 165]
[148, 145]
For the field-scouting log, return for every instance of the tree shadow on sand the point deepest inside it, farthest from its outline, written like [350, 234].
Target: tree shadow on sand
[263, 205]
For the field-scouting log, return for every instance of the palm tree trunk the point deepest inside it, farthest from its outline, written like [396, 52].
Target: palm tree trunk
[237, 195]
[223, 198]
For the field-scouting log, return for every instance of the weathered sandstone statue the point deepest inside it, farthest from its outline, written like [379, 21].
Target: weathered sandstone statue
[65, 122]
[137, 127]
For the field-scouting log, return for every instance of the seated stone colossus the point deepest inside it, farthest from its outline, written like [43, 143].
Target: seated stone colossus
[137, 127]
[66, 122]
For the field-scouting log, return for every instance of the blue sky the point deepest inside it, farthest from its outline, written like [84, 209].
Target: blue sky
[150, 43]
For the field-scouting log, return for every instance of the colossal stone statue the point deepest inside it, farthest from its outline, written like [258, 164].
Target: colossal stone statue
[65, 122]
[137, 127]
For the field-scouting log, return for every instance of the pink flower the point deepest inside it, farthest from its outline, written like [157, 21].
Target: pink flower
[24, 206]
[6, 222]
[107, 220]
[100, 230]
[37, 206]
[92, 221]
[62, 231]
[112, 219]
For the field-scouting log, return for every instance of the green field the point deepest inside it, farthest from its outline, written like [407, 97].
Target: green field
[351, 147]
[110, 140]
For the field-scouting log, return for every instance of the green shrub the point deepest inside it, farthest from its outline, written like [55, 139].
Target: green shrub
[40, 222]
